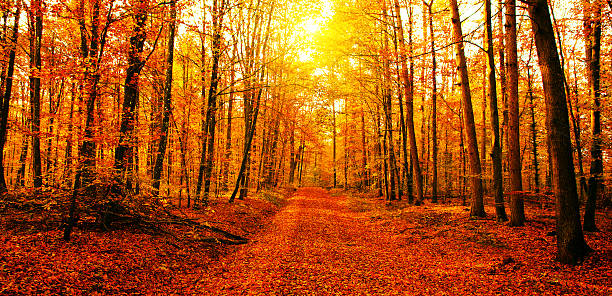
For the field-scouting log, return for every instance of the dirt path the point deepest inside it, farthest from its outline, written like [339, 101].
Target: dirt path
[316, 245]
[319, 245]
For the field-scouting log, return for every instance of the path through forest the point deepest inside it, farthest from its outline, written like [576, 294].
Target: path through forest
[316, 244]
[319, 244]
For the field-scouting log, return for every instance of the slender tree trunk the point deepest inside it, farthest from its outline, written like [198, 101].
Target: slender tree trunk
[124, 151]
[477, 208]
[408, 94]
[498, 186]
[293, 156]
[228, 136]
[571, 247]
[36, 22]
[534, 144]
[163, 142]
[517, 212]
[533, 125]
[334, 140]
[434, 111]
[594, 68]
[364, 154]
[6, 98]
[211, 120]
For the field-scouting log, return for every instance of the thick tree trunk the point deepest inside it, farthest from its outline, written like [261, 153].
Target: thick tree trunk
[163, 141]
[477, 207]
[571, 247]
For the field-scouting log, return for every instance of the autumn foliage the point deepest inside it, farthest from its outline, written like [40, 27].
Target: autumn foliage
[155, 146]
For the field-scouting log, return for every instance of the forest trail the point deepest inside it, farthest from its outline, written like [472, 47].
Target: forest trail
[328, 244]
[317, 244]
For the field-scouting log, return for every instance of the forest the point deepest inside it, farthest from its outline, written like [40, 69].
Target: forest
[305, 147]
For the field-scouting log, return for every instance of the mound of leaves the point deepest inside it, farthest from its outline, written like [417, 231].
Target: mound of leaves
[103, 207]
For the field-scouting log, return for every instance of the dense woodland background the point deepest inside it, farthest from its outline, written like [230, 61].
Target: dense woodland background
[111, 106]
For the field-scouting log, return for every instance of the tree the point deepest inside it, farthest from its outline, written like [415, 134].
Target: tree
[571, 246]
[161, 150]
[517, 212]
[594, 68]
[434, 110]
[36, 28]
[477, 206]
[124, 151]
[498, 186]
[408, 95]
[209, 136]
[6, 96]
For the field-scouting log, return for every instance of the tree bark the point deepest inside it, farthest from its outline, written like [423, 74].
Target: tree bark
[124, 151]
[571, 246]
[6, 98]
[594, 68]
[434, 112]
[477, 207]
[498, 185]
[36, 22]
[211, 120]
[408, 94]
[517, 212]
[163, 142]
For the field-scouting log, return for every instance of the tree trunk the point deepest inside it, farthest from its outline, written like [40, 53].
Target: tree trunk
[534, 144]
[211, 120]
[36, 23]
[434, 112]
[477, 207]
[517, 212]
[6, 98]
[594, 68]
[408, 94]
[571, 247]
[163, 141]
[124, 151]
[498, 185]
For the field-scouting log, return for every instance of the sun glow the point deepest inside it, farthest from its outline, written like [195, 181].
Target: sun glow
[310, 27]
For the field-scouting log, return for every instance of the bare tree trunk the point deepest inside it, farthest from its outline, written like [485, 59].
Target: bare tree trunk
[498, 185]
[434, 111]
[163, 141]
[477, 208]
[534, 144]
[211, 120]
[408, 94]
[124, 151]
[364, 154]
[6, 98]
[228, 136]
[571, 247]
[594, 68]
[517, 212]
[334, 140]
[36, 23]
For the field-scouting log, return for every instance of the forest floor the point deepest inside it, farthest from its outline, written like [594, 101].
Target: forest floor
[315, 243]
